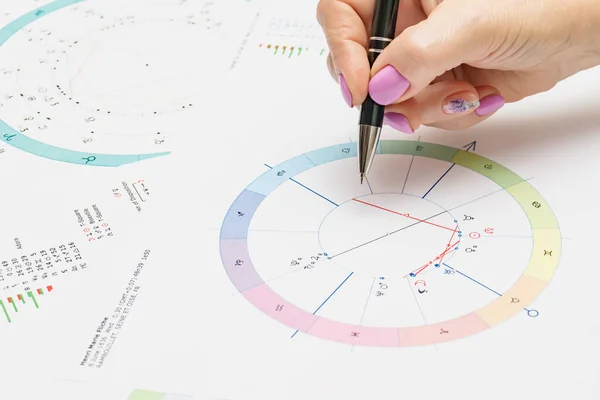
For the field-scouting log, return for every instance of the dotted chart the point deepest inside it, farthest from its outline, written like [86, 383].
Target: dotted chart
[97, 84]
[21, 141]
[440, 244]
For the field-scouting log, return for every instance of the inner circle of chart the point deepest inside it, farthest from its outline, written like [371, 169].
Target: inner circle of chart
[367, 236]
[279, 239]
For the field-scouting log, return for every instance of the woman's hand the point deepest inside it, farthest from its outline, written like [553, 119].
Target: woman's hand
[454, 63]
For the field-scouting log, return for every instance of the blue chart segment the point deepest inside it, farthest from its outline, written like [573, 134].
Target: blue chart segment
[22, 142]
[329, 297]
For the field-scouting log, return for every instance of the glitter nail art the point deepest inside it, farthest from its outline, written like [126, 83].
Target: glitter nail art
[460, 106]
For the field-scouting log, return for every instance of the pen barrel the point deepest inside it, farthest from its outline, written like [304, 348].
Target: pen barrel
[383, 29]
[371, 113]
[383, 32]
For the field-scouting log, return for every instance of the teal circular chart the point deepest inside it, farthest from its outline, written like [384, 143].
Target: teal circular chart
[17, 138]
[464, 246]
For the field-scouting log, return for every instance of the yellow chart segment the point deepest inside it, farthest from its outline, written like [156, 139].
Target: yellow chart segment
[546, 238]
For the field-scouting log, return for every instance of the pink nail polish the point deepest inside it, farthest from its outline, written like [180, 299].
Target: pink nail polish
[345, 91]
[489, 104]
[398, 122]
[387, 86]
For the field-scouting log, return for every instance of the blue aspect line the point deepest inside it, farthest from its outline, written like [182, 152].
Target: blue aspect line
[307, 188]
[476, 281]
[329, 297]
[310, 190]
[492, 290]
[438, 181]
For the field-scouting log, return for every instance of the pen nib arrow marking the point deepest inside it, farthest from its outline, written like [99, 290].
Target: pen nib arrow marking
[468, 147]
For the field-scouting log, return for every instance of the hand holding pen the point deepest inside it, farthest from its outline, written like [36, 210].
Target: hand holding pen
[453, 63]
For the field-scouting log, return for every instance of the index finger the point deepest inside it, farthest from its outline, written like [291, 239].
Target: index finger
[347, 24]
[347, 39]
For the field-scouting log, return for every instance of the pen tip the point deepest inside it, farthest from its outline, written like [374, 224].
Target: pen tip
[362, 177]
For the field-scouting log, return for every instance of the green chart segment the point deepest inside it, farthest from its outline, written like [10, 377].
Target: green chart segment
[140, 394]
[9, 304]
[14, 138]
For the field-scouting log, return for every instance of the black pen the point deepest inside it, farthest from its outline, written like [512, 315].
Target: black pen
[383, 32]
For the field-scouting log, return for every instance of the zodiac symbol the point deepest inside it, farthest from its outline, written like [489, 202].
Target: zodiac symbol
[487, 166]
[280, 173]
[238, 263]
[442, 331]
[468, 218]
[354, 334]
[536, 204]
[548, 253]
[8, 137]
[346, 150]
[515, 300]
[470, 250]
[241, 214]
[89, 159]
[279, 307]
[419, 148]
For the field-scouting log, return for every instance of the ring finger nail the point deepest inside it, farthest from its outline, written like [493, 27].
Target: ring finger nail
[459, 103]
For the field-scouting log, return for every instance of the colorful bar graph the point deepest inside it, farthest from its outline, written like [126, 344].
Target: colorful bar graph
[31, 294]
[11, 301]
[5, 312]
[289, 50]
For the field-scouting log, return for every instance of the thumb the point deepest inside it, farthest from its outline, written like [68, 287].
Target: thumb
[425, 51]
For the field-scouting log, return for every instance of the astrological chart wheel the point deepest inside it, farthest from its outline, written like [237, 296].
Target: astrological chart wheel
[385, 263]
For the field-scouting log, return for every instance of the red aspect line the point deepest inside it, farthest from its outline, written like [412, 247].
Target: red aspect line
[19, 297]
[451, 237]
[404, 215]
[49, 288]
[10, 300]
[448, 248]
[39, 291]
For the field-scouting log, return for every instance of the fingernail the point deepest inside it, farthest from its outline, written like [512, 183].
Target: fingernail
[460, 103]
[387, 86]
[489, 104]
[398, 122]
[345, 91]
